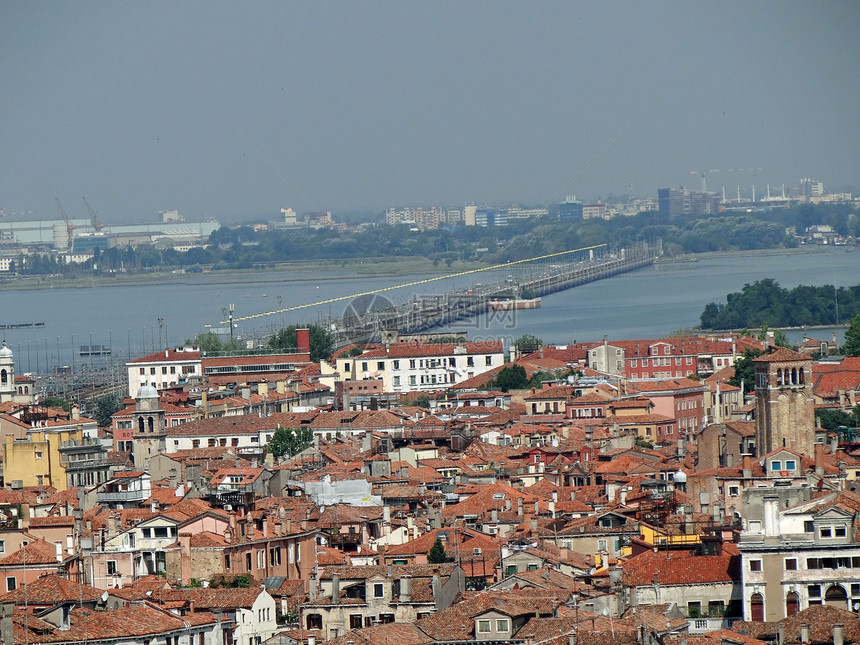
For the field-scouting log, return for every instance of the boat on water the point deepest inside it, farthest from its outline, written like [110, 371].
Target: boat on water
[21, 325]
[516, 303]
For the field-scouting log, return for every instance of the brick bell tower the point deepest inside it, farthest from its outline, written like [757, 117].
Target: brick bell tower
[150, 432]
[784, 406]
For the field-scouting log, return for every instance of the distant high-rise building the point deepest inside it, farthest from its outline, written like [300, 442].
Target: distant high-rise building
[677, 202]
[453, 216]
[598, 210]
[811, 187]
[570, 209]
[490, 217]
[470, 214]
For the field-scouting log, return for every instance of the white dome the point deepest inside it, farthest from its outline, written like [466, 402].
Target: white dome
[147, 392]
[5, 352]
[680, 477]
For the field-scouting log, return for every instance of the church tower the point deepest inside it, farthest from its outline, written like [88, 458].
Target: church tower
[7, 374]
[150, 433]
[784, 406]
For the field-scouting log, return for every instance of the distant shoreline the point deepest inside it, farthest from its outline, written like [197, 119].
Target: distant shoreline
[354, 268]
[315, 270]
[707, 255]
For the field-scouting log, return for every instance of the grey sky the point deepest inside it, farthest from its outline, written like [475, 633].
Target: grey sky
[234, 109]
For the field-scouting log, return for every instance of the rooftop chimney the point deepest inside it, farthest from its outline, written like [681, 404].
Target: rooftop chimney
[406, 589]
[819, 459]
[335, 589]
[838, 634]
[303, 341]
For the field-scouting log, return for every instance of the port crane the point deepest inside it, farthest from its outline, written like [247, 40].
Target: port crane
[94, 218]
[70, 228]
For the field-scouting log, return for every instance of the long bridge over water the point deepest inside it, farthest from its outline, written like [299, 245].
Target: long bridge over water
[371, 315]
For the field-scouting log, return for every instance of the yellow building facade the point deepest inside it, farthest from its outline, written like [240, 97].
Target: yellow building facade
[36, 460]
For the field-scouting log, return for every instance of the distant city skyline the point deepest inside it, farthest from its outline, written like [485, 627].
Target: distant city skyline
[233, 112]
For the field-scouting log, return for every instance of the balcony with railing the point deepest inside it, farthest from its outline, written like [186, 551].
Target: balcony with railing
[79, 445]
[705, 624]
[119, 496]
[231, 498]
[125, 490]
[98, 463]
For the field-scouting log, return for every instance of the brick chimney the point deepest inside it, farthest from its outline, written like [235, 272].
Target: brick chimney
[303, 341]
[819, 459]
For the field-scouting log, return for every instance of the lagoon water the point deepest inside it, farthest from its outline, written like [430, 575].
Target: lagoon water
[643, 304]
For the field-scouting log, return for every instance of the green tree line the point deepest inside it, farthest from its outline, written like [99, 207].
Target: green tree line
[766, 303]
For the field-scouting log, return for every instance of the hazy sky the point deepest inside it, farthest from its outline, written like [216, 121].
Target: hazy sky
[236, 109]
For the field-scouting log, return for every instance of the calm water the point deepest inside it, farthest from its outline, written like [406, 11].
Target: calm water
[644, 304]
[655, 301]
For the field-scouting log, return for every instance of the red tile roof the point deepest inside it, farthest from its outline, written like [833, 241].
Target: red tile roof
[408, 350]
[52, 590]
[681, 568]
[35, 553]
[169, 355]
[783, 354]
[222, 598]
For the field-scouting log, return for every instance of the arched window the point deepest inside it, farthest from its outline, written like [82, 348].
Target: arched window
[140, 424]
[151, 424]
[792, 604]
[757, 607]
[836, 596]
[4, 377]
[794, 376]
[801, 376]
[779, 377]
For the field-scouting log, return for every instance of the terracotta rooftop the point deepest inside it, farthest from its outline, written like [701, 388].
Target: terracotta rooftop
[38, 552]
[169, 355]
[408, 350]
[681, 568]
[52, 590]
[783, 354]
